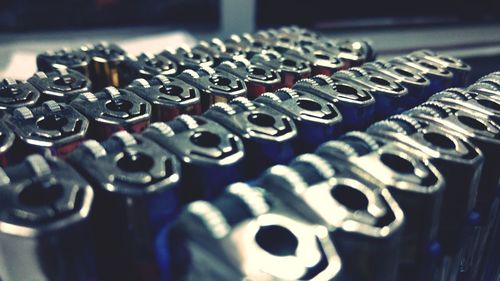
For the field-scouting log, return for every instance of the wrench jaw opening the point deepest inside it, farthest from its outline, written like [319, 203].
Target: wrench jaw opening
[261, 241]
[46, 218]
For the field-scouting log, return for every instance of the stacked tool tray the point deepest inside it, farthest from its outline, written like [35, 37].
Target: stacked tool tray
[281, 155]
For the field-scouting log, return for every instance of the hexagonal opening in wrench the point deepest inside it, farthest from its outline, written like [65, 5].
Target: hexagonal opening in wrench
[308, 104]
[428, 65]
[489, 104]
[261, 119]
[450, 60]
[52, 122]
[472, 123]
[439, 140]
[220, 80]
[308, 34]
[277, 240]
[37, 194]
[289, 63]
[257, 71]
[345, 89]
[257, 44]
[135, 162]
[205, 139]
[397, 163]
[403, 72]
[350, 197]
[321, 56]
[171, 90]
[433, 67]
[380, 81]
[284, 39]
[345, 49]
[119, 105]
[306, 42]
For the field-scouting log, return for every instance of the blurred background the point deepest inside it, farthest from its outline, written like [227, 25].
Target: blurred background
[464, 28]
[31, 15]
